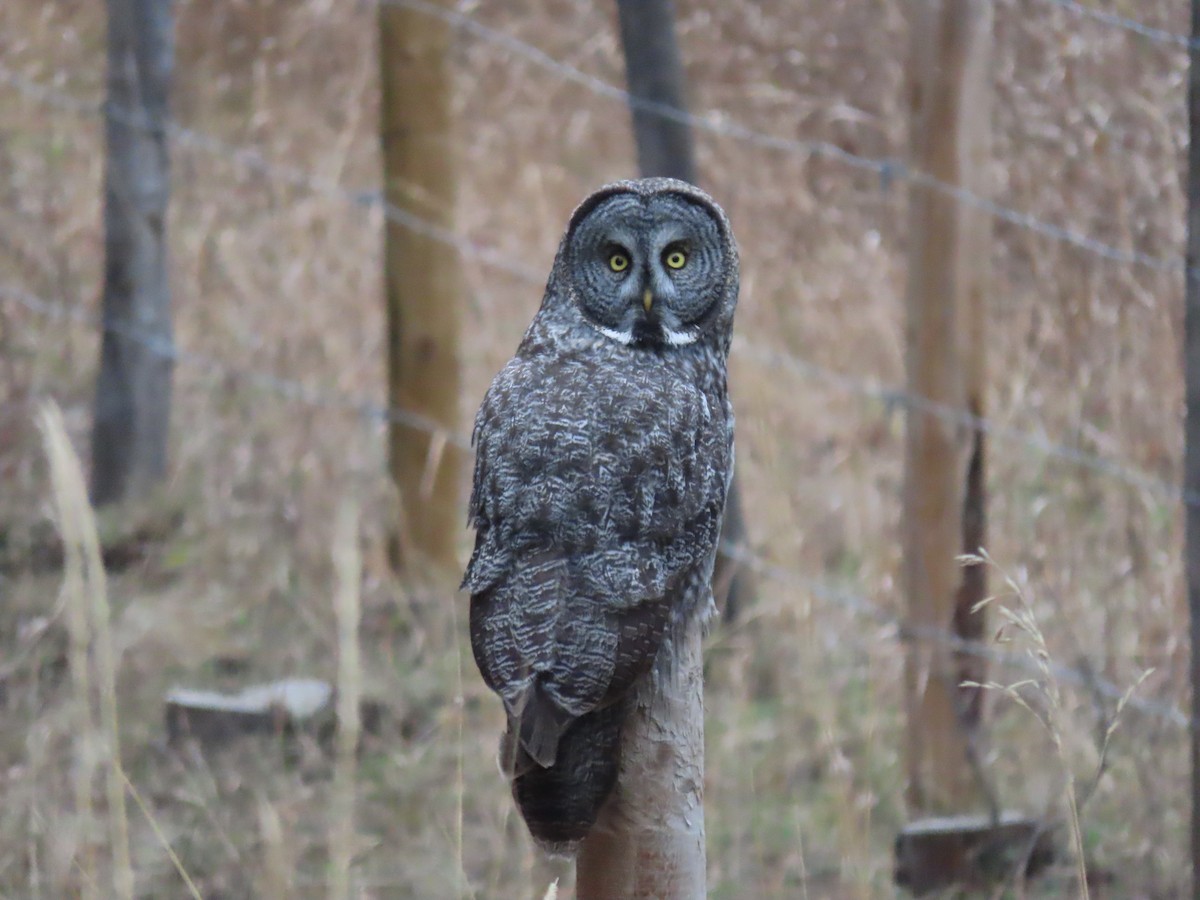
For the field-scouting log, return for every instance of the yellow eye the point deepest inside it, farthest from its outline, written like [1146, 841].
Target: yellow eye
[618, 262]
[676, 259]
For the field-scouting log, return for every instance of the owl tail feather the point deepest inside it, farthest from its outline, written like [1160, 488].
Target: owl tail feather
[541, 723]
[560, 802]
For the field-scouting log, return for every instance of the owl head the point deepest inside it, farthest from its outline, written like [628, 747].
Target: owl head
[650, 264]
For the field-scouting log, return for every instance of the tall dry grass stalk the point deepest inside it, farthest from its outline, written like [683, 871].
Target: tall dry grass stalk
[79, 638]
[460, 791]
[1051, 716]
[1049, 712]
[193, 891]
[276, 877]
[347, 563]
[88, 617]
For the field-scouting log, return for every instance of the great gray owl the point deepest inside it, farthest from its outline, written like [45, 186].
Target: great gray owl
[603, 453]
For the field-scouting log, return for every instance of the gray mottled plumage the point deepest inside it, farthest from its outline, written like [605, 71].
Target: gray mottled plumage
[603, 456]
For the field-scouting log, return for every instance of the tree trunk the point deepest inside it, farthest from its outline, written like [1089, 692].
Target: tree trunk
[133, 387]
[422, 287]
[944, 461]
[654, 73]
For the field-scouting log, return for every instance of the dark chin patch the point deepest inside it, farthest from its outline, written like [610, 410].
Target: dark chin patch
[648, 332]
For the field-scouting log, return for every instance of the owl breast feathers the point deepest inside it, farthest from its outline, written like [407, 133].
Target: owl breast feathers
[601, 471]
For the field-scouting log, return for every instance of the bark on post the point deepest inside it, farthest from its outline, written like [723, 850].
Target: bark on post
[133, 387]
[648, 843]
[950, 89]
[654, 74]
[421, 278]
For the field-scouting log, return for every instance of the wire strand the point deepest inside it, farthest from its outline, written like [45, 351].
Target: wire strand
[860, 605]
[895, 396]
[287, 388]
[1133, 26]
[253, 160]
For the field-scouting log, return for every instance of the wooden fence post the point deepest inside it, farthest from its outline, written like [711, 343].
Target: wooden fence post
[950, 88]
[648, 842]
[133, 387]
[423, 292]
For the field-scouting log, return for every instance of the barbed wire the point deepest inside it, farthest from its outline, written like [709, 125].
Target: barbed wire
[887, 168]
[1115, 20]
[253, 161]
[899, 397]
[860, 605]
[855, 603]
[288, 388]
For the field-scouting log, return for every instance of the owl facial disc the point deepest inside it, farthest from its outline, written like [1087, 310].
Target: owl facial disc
[650, 271]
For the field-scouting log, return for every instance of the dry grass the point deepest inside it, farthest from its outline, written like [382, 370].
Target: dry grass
[805, 778]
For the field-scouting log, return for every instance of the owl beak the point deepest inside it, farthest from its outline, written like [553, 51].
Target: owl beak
[647, 300]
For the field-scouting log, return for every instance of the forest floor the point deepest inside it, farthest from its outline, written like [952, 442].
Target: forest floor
[226, 579]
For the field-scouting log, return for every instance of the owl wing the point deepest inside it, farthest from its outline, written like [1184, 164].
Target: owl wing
[597, 502]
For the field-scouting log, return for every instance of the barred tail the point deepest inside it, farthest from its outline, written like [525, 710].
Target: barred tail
[560, 803]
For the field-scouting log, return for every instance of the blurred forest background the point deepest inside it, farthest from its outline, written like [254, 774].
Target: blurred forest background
[275, 235]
